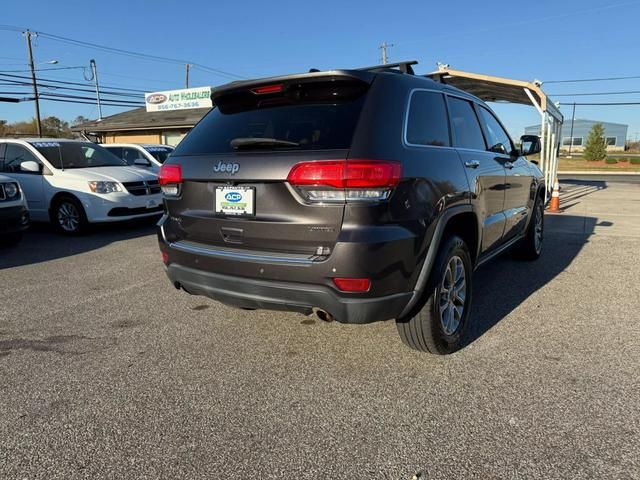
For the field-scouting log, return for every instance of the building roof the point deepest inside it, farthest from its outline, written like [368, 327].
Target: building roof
[140, 119]
[588, 122]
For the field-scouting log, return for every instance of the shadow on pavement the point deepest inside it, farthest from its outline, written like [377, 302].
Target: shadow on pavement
[503, 284]
[572, 190]
[42, 243]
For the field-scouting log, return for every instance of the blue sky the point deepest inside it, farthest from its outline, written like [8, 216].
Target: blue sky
[547, 40]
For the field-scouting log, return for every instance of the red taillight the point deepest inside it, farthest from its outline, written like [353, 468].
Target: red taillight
[268, 89]
[329, 173]
[170, 174]
[346, 174]
[352, 284]
[165, 258]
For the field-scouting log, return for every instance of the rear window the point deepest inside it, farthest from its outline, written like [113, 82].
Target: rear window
[307, 116]
[159, 153]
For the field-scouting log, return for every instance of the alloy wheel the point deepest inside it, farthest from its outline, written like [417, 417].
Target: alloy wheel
[453, 291]
[68, 217]
[539, 229]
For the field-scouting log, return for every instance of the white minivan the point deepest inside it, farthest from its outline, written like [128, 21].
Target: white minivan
[72, 183]
[145, 155]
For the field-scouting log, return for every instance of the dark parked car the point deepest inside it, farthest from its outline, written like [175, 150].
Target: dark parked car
[360, 195]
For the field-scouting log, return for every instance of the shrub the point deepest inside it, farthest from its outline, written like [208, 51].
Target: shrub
[611, 161]
[596, 147]
[635, 161]
[623, 160]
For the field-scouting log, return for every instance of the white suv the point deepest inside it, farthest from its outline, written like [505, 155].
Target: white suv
[14, 215]
[147, 155]
[72, 183]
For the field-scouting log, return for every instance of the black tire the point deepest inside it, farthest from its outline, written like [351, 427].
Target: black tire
[429, 330]
[68, 216]
[530, 247]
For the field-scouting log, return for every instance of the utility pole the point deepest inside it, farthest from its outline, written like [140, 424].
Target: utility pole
[92, 62]
[186, 83]
[27, 34]
[573, 118]
[383, 48]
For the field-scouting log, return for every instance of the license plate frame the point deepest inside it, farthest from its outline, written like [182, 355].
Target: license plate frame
[228, 204]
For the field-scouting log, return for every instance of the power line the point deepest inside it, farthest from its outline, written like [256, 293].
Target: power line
[61, 87]
[630, 92]
[580, 80]
[601, 103]
[68, 82]
[131, 53]
[40, 69]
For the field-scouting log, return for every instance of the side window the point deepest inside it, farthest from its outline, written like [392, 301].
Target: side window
[14, 156]
[498, 139]
[427, 123]
[117, 151]
[130, 155]
[465, 125]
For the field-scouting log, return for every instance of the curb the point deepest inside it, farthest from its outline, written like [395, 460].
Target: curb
[596, 172]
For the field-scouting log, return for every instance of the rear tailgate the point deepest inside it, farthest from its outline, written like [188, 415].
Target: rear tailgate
[234, 190]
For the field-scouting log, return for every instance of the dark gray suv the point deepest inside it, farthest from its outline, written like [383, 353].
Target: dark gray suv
[359, 195]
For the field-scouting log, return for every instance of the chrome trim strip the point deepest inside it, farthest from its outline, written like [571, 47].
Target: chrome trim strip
[243, 257]
[246, 257]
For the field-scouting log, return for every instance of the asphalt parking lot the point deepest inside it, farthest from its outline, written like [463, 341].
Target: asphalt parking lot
[106, 371]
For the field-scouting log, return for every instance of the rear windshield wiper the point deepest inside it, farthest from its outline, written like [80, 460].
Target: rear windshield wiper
[247, 143]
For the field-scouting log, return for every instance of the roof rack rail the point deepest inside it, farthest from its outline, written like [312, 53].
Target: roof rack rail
[404, 67]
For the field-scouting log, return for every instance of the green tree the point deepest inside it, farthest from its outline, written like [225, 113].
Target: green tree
[596, 146]
[79, 120]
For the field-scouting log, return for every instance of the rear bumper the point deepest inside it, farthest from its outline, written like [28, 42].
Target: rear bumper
[287, 296]
[14, 219]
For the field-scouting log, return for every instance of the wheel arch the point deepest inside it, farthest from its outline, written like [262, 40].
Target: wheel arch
[460, 220]
[58, 196]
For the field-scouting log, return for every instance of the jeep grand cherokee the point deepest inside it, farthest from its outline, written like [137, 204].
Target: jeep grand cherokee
[361, 195]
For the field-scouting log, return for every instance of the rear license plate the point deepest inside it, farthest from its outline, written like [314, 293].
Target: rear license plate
[235, 200]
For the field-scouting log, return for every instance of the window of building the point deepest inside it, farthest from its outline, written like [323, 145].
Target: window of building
[427, 123]
[465, 125]
[611, 141]
[567, 141]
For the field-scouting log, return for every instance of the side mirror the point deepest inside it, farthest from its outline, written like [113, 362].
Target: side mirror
[30, 167]
[141, 162]
[530, 144]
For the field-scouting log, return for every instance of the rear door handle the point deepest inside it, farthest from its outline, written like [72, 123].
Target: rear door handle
[472, 164]
[508, 165]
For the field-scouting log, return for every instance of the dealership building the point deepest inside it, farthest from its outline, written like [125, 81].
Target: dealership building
[140, 126]
[166, 118]
[615, 134]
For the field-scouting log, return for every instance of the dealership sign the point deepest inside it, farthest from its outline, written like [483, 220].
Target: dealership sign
[178, 99]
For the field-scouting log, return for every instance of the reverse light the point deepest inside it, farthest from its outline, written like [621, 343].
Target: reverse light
[345, 180]
[170, 178]
[352, 284]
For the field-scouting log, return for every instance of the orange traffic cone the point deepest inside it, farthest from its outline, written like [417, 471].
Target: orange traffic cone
[554, 206]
